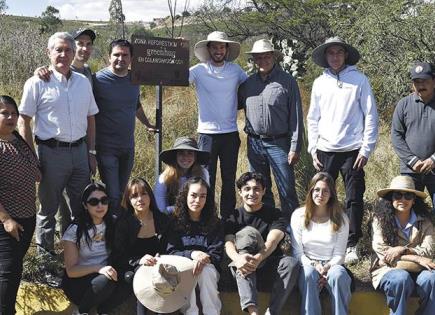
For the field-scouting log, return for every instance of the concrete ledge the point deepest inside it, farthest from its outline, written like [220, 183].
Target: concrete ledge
[37, 299]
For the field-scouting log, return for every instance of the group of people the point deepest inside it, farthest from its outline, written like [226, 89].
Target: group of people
[82, 121]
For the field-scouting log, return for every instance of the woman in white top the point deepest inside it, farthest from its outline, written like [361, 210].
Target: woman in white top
[90, 280]
[319, 236]
[183, 161]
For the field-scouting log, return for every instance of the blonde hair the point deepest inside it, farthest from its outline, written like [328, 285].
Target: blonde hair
[171, 178]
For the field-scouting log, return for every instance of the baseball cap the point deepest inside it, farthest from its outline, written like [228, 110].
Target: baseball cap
[422, 70]
[84, 31]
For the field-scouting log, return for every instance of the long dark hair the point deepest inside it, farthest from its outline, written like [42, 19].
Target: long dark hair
[385, 213]
[85, 223]
[143, 186]
[208, 219]
[334, 208]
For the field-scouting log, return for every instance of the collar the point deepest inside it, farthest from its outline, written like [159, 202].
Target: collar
[276, 68]
[417, 99]
[59, 76]
[412, 220]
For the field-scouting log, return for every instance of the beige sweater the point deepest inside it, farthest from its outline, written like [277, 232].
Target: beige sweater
[421, 240]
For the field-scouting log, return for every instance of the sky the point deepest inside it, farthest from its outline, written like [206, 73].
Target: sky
[96, 10]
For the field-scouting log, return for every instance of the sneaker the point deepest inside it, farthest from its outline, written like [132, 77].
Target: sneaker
[52, 280]
[351, 256]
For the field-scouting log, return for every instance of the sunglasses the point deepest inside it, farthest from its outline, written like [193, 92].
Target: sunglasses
[397, 195]
[95, 201]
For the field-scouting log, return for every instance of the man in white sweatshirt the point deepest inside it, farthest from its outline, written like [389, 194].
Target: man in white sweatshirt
[343, 127]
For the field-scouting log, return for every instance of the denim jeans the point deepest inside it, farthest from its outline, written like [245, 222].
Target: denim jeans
[335, 162]
[266, 154]
[398, 286]
[225, 147]
[11, 263]
[338, 286]
[62, 168]
[115, 167]
[283, 270]
[425, 180]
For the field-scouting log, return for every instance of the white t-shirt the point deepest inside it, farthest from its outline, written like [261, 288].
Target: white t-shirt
[318, 241]
[216, 89]
[97, 253]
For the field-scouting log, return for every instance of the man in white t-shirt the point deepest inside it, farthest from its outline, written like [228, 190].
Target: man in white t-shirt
[216, 81]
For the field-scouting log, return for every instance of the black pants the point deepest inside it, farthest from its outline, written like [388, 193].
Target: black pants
[11, 263]
[95, 290]
[335, 162]
[225, 147]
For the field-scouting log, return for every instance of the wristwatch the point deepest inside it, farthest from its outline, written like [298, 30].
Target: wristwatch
[93, 152]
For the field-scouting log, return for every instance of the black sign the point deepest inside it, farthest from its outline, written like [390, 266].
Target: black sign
[157, 60]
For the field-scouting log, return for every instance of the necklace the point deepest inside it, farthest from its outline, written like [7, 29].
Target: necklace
[217, 70]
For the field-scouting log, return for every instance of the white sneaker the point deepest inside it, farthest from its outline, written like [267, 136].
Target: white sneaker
[351, 256]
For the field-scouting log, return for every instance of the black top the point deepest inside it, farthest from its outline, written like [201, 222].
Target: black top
[126, 252]
[183, 243]
[264, 220]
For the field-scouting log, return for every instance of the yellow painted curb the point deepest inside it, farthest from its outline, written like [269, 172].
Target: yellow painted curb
[37, 299]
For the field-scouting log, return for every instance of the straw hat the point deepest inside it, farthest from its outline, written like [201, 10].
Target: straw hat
[402, 183]
[184, 143]
[319, 56]
[166, 286]
[264, 45]
[201, 49]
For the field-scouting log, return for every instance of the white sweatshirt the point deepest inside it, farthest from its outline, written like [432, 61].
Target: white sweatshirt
[342, 115]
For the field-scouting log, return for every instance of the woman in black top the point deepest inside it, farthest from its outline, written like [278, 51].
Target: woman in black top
[139, 232]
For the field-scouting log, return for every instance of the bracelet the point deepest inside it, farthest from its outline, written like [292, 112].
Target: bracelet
[93, 152]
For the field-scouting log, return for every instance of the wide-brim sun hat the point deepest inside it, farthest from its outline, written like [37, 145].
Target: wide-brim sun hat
[402, 183]
[201, 50]
[184, 143]
[319, 56]
[263, 46]
[165, 287]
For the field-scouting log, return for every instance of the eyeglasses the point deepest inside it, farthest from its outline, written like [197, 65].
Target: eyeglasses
[397, 195]
[95, 201]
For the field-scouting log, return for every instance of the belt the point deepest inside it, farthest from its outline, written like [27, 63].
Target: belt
[268, 138]
[53, 143]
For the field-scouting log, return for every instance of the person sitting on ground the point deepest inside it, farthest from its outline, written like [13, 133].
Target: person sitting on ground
[255, 252]
[404, 247]
[197, 233]
[19, 172]
[140, 232]
[183, 161]
[89, 279]
[319, 235]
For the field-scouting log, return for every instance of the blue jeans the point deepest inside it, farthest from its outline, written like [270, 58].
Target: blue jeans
[428, 181]
[398, 286]
[266, 154]
[282, 269]
[338, 286]
[224, 146]
[115, 167]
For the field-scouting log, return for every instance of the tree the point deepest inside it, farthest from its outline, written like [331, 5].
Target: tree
[3, 6]
[49, 20]
[390, 35]
[117, 17]
[172, 6]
